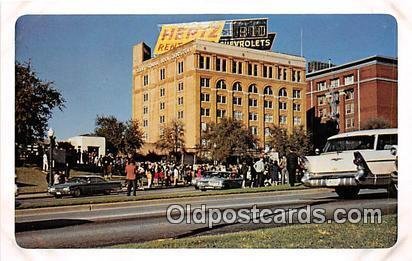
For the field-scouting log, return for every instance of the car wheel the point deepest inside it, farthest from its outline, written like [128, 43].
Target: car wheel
[77, 193]
[203, 189]
[106, 192]
[347, 193]
[393, 190]
[196, 187]
[58, 196]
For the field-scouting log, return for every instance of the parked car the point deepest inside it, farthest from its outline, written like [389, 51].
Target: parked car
[85, 185]
[218, 180]
[340, 164]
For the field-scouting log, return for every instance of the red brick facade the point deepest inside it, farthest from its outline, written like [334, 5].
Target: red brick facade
[377, 85]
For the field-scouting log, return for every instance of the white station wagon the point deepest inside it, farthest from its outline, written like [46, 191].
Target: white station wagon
[354, 160]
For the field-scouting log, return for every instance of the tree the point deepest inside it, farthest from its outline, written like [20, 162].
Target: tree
[376, 123]
[299, 141]
[35, 101]
[172, 138]
[227, 138]
[120, 137]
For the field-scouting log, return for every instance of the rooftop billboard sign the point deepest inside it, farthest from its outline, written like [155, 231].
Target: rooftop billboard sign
[247, 33]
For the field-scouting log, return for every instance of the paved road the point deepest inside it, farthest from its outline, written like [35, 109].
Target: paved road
[108, 224]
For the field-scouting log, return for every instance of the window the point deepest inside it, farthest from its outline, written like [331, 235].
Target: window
[322, 113]
[334, 83]
[322, 100]
[295, 76]
[267, 71]
[267, 131]
[220, 113]
[204, 82]
[162, 106]
[253, 116]
[237, 87]
[268, 104]
[350, 108]
[279, 74]
[162, 119]
[296, 94]
[253, 88]
[204, 62]
[350, 79]
[237, 115]
[386, 141]
[253, 130]
[268, 90]
[282, 106]
[180, 67]
[162, 92]
[145, 79]
[145, 136]
[282, 119]
[237, 101]
[221, 99]
[220, 64]
[145, 110]
[221, 85]
[180, 100]
[180, 86]
[180, 114]
[297, 121]
[296, 107]
[145, 96]
[145, 123]
[350, 123]
[349, 94]
[284, 75]
[205, 112]
[253, 103]
[283, 92]
[236, 67]
[350, 143]
[268, 118]
[162, 74]
[321, 86]
[204, 97]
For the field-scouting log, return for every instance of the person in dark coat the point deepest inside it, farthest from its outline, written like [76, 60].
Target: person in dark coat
[291, 165]
[243, 172]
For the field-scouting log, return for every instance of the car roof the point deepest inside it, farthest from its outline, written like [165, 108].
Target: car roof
[364, 133]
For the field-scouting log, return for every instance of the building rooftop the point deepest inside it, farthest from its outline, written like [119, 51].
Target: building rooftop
[377, 58]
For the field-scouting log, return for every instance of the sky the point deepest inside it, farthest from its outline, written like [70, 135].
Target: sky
[89, 57]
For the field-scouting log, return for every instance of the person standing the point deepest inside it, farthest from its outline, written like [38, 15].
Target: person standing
[130, 171]
[259, 167]
[45, 163]
[292, 164]
[175, 176]
[243, 172]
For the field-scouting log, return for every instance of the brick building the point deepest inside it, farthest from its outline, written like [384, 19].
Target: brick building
[200, 82]
[353, 92]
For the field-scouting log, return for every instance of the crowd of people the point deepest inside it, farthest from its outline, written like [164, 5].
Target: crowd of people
[263, 172]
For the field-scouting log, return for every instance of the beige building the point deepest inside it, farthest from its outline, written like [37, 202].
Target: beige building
[200, 82]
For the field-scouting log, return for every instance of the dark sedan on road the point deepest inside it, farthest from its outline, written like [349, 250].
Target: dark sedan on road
[218, 180]
[85, 185]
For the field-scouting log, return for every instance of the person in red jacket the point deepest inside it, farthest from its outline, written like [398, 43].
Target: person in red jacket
[130, 170]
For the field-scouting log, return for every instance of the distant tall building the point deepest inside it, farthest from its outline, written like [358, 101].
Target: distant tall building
[317, 65]
[354, 92]
[201, 82]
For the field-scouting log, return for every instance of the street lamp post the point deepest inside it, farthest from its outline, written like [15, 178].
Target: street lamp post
[50, 134]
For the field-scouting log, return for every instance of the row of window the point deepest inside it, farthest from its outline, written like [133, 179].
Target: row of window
[205, 97]
[349, 95]
[237, 87]
[162, 73]
[333, 83]
[252, 69]
[349, 109]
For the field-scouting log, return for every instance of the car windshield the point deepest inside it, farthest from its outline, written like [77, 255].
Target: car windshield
[77, 180]
[350, 143]
[217, 174]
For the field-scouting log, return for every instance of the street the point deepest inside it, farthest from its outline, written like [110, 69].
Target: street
[103, 225]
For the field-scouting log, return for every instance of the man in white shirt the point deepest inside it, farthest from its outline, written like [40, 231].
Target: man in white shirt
[260, 168]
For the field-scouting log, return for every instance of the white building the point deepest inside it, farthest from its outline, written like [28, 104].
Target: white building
[89, 143]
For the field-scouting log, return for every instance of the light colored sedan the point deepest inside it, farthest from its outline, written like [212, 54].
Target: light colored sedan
[218, 180]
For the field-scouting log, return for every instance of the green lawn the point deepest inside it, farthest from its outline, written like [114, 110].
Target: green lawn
[333, 235]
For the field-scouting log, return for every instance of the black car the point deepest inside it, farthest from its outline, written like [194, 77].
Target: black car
[85, 185]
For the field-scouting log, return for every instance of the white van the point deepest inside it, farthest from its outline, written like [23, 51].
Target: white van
[354, 160]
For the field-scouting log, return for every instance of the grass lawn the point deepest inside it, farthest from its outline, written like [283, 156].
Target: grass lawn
[333, 235]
